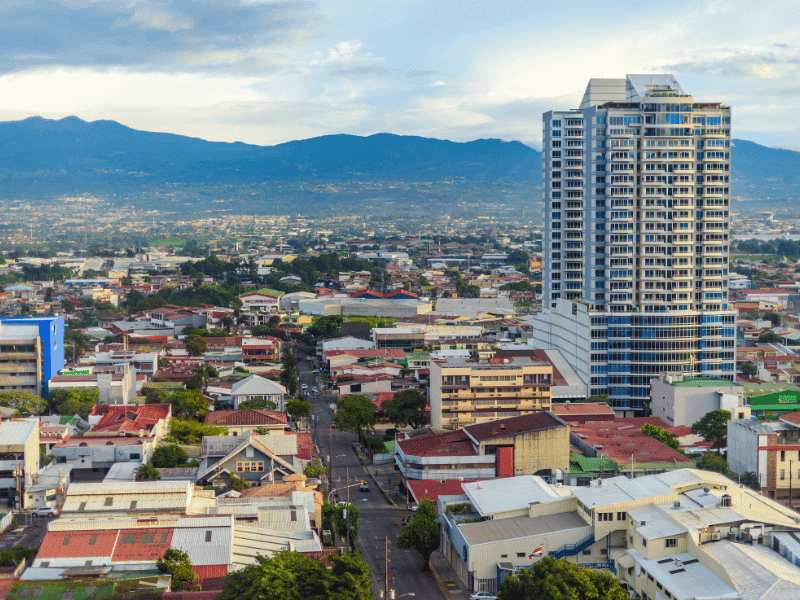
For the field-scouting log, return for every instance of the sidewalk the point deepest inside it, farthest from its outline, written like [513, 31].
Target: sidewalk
[446, 578]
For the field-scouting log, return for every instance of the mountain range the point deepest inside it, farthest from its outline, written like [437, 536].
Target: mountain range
[42, 159]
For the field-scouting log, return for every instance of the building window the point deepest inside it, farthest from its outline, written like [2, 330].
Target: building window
[250, 466]
[148, 538]
[109, 501]
[783, 474]
[520, 555]
[133, 504]
[671, 543]
[128, 538]
[65, 541]
[208, 536]
[164, 536]
[621, 516]
[93, 539]
[783, 455]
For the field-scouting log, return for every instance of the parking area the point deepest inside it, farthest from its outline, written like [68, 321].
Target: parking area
[30, 535]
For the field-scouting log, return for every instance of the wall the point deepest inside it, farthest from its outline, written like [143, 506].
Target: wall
[742, 448]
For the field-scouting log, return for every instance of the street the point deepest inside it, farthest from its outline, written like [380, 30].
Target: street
[378, 519]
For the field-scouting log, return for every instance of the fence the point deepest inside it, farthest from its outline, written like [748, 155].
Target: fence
[382, 459]
[5, 522]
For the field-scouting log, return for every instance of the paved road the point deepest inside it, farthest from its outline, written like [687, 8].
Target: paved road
[379, 518]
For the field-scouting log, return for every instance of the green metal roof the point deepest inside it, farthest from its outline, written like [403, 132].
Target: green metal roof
[266, 292]
[389, 446]
[704, 382]
[776, 407]
[784, 397]
[586, 464]
[759, 388]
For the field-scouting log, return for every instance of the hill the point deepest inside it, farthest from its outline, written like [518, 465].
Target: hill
[42, 159]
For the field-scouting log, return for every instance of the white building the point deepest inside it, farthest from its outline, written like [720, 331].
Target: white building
[683, 402]
[637, 201]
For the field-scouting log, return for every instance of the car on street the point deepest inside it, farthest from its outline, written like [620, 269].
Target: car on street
[482, 596]
[315, 372]
[304, 386]
[45, 511]
[315, 391]
[364, 487]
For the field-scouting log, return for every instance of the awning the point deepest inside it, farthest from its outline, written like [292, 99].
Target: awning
[625, 561]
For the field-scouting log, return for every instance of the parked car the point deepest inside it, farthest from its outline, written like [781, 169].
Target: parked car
[45, 511]
[482, 596]
[364, 487]
[315, 391]
[304, 386]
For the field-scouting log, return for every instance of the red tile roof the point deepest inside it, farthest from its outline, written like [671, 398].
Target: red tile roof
[139, 546]
[793, 418]
[78, 545]
[246, 416]
[565, 411]
[129, 419]
[369, 353]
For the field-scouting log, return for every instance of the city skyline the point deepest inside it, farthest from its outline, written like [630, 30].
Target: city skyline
[267, 73]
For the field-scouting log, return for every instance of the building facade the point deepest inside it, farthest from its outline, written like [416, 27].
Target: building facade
[637, 209]
[462, 393]
[31, 352]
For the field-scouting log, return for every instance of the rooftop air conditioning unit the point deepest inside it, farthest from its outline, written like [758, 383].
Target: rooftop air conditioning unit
[676, 505]
[715, 536]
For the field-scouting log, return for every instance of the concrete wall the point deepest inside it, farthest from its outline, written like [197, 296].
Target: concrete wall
[685, 406]
[742, 448]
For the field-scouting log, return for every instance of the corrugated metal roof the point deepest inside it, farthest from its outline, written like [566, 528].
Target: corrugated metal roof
[499, 530]
[138, 487]
[16, 433]
[208, 544]
[758, 572]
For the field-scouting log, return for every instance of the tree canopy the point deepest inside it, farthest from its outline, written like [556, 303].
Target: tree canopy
[74, 401]
[297, 408]
[23, 401]
[421, 533]
[407, 407]
[660, 434]
[188, 404]
[176, 563]
[713, 427]
[354, 413]
[169, 456]
[552, 579]
[295, 576]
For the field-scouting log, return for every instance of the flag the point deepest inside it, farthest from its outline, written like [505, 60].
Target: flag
[537, 552]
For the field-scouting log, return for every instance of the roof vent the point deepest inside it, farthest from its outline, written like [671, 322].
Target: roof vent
[676, 505]
[503, 426]
[706, 490]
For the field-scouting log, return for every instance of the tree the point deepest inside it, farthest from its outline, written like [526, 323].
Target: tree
[552, 579]
[769, 338]
[195, 345]
[79, 343]
[79, 401]
[187, 431]
[297, 408]
[354, 413]
[169, 456]
[238, 483]
[315, 470]
[147, 472]
[349, 578]
[258, 404]
[24, 401]
[713, 427]
[345, 522]
[407, 407]
[289, 373]
[713, 462]
[176, 563]
[749, 368]
[421, 533]
[189, 404]
[326, 327]
[660, 434]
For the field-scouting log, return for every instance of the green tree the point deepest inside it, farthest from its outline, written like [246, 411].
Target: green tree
[258, 404]
[188, 404]
[354, 413]
[349, 578]
[345, 522]
[147, 472]
[326, 327]
[24, 401]
[749, 368]
[187, 431]
[297, 408]
[79, 401]
[169, 456]
[78, 342]
[176, 563]
[195, 345]
[289, 373]
[552, 579]
[769, 338]
[660, 434]
[775, 318]
[713, 427]
[713, 462]
[421, 533]
[315, 469]
[238, 484]
[407, 407]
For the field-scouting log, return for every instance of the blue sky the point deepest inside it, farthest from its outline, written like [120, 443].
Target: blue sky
[270, 72]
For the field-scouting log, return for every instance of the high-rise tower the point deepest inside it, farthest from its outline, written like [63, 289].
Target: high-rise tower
[637, 205]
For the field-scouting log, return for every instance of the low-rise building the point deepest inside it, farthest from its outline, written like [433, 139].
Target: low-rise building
[464, 392]
[243, 420]
[683, 401]
[19, 459]
[249, 388]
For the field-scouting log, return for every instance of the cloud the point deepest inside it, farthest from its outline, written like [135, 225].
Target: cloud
[742, 62]
[150, 18]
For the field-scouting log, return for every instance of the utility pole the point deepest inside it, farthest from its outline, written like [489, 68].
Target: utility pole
[347, 515]
[631, 466]
[386, 570]
[330, 453]
[790, 484]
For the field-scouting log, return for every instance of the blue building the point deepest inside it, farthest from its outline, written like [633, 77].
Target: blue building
[31, 352]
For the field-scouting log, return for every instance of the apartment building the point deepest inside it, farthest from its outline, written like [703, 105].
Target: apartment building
[637, 210]
[31, 352]
[672, 536]
[462, 393]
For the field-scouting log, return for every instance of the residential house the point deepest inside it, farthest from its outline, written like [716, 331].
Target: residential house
[143, 420]
[263, 300]
[92, 457]
[47, 484]
[261, 349]
[252, 387]
[243, 420]
[116, 383]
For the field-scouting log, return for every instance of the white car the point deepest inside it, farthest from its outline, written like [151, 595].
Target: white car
[304, 387]
[45, 511]
[315, 391]
[482, 596]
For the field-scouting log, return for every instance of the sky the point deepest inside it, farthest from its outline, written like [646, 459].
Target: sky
[269, 72]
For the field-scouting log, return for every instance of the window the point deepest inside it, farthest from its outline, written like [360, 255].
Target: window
[128, 538]
[208, 536]
[148, 538]
[671, 543]
[250, 466]
[164, 536]
[65, 541]
[621, 516]
[133, 504]
[587, 552]
[109, 501]
[93, 539]
[82, 507]
[783, 455]
[520, 555]
[783, 474]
